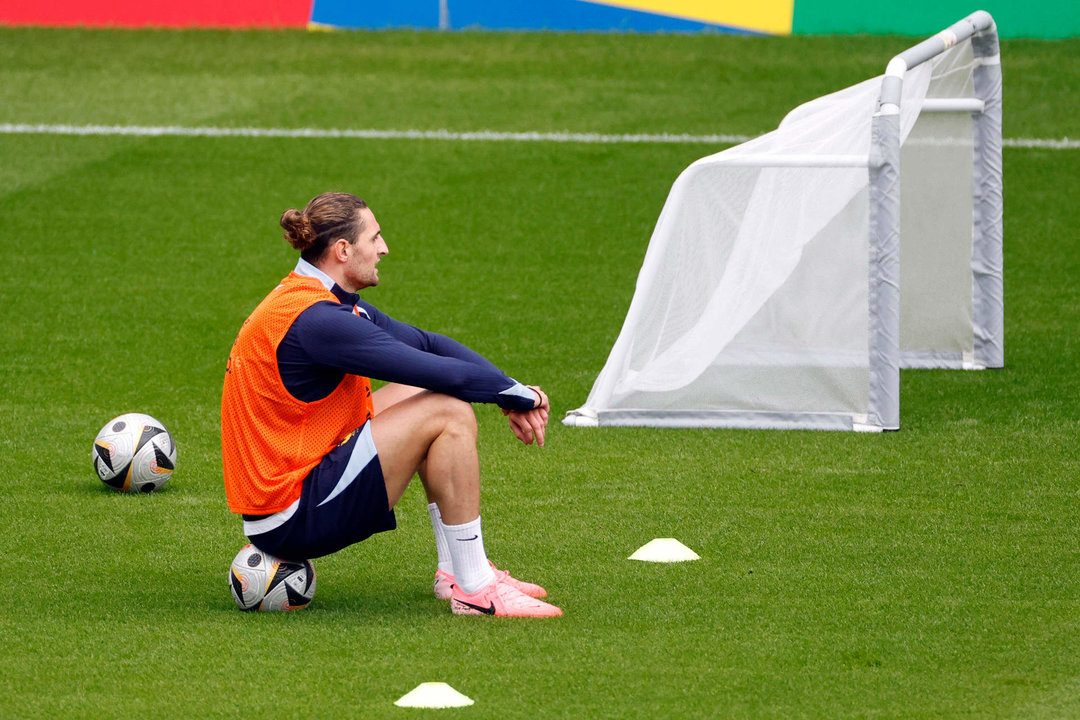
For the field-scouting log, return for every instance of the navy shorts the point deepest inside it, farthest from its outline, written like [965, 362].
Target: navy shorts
[343, 501]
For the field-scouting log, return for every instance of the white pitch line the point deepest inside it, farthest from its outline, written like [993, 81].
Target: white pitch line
[479, 135]
[365, 134]
[1042, 143]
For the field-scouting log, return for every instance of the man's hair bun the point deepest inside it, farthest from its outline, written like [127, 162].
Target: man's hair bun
[298, 230]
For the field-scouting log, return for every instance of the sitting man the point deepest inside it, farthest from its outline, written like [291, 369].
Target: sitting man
[314, 461]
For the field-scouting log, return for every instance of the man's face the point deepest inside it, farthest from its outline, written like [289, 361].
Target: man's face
[365, 253]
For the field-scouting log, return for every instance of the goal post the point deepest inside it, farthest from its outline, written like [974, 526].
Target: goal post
[771, 294]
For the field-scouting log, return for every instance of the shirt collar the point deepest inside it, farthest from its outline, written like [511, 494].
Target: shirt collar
[306, 269]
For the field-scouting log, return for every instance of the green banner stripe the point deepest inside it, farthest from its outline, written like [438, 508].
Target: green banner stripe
[1043, 19]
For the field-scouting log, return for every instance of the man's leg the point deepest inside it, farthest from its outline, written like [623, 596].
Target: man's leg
[391, 394]
[436, 435]
[438, 432]
[383, 398]
[386, 397]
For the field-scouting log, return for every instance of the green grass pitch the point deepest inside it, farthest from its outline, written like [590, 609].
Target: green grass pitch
[929, 573]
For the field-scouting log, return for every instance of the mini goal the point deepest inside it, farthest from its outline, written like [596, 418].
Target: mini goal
[772, 293]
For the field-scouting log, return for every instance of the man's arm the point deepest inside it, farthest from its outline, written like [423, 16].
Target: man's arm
[429, 342]
[331, 335]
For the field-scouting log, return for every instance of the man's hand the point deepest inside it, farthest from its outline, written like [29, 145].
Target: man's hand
[529, 425]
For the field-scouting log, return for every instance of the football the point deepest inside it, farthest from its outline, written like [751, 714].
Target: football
[134, 453]
[260, 581]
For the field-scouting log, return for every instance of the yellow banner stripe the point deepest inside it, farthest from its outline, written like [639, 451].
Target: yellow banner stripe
[768, 16]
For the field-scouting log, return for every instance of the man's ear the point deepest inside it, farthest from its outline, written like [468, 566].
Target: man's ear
[341, 253]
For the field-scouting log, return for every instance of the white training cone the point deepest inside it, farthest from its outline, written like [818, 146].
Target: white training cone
[433, 695]
[664, 550]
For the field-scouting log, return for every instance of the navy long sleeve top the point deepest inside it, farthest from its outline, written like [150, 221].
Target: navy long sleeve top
[331, 339]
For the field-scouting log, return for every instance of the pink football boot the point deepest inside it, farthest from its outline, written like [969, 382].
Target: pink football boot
[444, 581]
[501, 600]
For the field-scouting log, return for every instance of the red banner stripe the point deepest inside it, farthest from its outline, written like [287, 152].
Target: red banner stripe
[159, 13]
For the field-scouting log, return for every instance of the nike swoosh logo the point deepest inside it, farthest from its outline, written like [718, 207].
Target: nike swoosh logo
[481, 608]
[467, 539]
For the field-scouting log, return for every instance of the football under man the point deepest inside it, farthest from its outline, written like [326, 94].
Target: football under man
[314, 461]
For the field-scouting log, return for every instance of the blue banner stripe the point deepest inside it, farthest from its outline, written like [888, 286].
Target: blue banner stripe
[573, 15]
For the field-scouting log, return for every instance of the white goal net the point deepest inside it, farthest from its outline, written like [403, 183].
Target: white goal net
[772, 294]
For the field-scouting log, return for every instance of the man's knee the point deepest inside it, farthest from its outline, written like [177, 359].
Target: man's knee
[457, 415]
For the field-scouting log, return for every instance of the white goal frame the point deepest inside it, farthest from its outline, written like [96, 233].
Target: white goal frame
[886, 356]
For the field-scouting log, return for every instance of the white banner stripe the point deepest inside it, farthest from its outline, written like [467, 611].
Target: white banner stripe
[479, 135]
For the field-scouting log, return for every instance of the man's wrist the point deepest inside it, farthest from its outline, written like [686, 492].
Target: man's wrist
[518, 391]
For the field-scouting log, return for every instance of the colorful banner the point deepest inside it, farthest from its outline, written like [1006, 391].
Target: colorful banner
[918, 18]
[566, 15]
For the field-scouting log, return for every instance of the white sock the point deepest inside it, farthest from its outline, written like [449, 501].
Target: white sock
[441, 547]
[466, 543]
